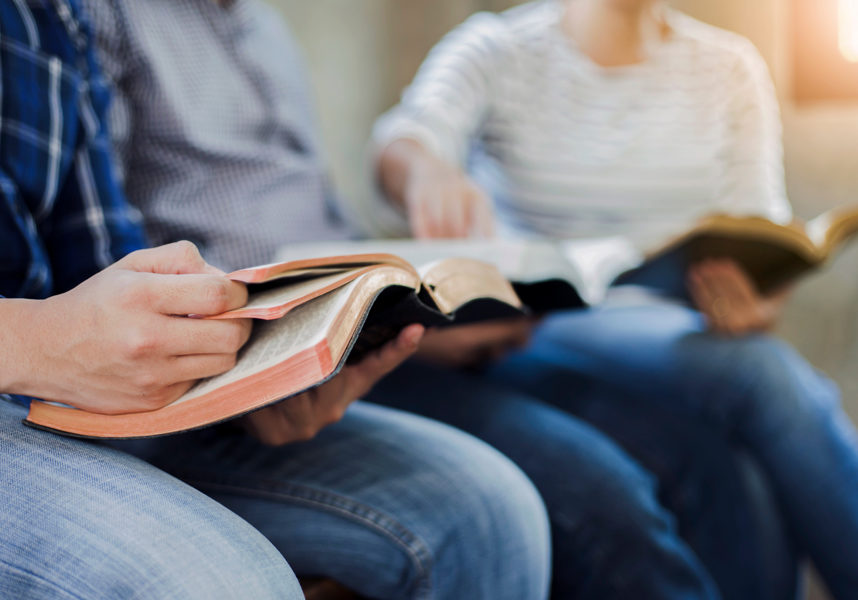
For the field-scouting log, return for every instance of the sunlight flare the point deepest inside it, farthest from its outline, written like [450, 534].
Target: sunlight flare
[849, 29]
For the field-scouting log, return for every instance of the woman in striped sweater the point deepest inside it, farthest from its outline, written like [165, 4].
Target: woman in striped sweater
[589, 118]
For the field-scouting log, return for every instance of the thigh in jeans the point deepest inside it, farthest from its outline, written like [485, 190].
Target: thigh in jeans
[80, 520]
[611, 537]
[389, 504]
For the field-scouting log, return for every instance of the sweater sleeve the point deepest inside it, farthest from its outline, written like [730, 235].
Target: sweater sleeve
[447, 102]
[754, 181]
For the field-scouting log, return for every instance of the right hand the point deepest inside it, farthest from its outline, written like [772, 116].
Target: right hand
[442, 202]
[121, 341]
[471, 346]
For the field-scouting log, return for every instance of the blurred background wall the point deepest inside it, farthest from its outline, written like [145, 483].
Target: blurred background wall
[362, 52]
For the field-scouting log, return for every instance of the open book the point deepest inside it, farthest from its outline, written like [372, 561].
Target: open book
[314, 316]
[773, 255]
[557, 274]
[319, 310]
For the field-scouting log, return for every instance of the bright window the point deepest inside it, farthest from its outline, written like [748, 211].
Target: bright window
[848, 18]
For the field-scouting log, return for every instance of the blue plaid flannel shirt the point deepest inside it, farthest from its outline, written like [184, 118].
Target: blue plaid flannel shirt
[63, 216]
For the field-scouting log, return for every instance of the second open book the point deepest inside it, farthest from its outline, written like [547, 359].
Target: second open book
[316, 310]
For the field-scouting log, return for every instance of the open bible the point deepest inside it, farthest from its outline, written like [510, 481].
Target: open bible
[551, 274]
[773, 255]
[318, 311]
[314, 315]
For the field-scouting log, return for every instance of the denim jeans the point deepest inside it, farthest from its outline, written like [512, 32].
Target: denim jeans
[621, 528]
[390, 504]
[611, 537]
[756, 392]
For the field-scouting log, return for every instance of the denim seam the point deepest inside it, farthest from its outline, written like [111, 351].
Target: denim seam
[415, 548]
[41, 578]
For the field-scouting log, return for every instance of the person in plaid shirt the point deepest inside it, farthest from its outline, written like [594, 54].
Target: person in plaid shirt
[88, 317]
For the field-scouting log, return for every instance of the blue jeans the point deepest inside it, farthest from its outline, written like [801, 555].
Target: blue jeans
[612, 538]
[756, 392]
[390, 504]
[616, 532]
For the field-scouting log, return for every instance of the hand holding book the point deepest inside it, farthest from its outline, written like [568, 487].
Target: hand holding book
[331, 305]
[726, 296]
[301, 417]
[114, 344]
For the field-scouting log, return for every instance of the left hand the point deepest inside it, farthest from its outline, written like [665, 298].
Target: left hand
[726, 296]
[477, 344]
[301, 417]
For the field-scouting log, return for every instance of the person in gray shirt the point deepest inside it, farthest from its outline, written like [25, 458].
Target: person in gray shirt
[215, 133]
[216, 150]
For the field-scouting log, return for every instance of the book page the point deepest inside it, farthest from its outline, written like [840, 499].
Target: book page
[520, 261]
[832, 228]
[291, 293]
[272, 342]
[589, 265]
[599, 262]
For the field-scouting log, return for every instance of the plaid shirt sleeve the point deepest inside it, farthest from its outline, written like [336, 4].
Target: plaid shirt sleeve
[63, 216]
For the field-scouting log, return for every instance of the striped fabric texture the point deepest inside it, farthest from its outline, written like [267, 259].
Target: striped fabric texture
[62, 214]
[568, 148]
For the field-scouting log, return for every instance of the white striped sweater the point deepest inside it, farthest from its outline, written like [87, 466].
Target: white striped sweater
[567, 148]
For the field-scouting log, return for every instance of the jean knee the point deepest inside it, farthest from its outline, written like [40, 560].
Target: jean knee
[479, 524]
[87, 522]
[775, 387]
[204, 558]
[497, 526]
[618, 503]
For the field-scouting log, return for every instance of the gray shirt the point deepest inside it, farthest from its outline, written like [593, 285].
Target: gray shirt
[213, 126]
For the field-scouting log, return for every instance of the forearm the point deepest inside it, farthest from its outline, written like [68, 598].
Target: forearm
[19, 328]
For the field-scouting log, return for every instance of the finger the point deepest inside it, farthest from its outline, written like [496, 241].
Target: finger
[454, 219]
[423, 210]
[740, 305]
[756, 313]
[378, 364]
[701, 293]
[750, 311]
[731, 282]
[416, 218]
[195, 367]
[171, 259]
[482, 217]
[164, 396]
[204, 295]
[436, 207]
[704, 296]
[188, 336]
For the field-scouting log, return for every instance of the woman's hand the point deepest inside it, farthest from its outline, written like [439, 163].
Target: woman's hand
[301, 417]
[439, 200]
[726, 296]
